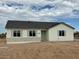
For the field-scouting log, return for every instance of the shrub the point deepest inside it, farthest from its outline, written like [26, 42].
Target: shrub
[3, 35]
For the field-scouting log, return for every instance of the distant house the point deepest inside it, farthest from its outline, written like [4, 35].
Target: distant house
[76, 35]
[33, 31]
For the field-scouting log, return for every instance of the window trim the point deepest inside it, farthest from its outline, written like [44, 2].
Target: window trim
[16, 33]
[61, 31]
[32, 33]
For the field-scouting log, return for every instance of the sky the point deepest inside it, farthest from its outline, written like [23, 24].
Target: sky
[44, 10]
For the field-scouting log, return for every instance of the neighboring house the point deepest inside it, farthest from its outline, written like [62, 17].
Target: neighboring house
[33, 31]
[76, 35]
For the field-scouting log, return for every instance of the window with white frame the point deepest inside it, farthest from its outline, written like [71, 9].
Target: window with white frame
[61, 33]
[16, 33]
[32, 33]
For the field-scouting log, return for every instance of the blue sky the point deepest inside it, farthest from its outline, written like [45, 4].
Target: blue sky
[44, 10]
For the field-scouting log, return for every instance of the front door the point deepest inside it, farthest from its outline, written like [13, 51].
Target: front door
[44, 36]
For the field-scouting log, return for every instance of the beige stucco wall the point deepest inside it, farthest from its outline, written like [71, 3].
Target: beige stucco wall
[53, 33]
[24, 36]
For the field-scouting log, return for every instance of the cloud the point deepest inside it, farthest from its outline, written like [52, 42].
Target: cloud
[42, 8]
[22, 1]
[35, 10]
[68, 3]
[60, 7]
[6, 10]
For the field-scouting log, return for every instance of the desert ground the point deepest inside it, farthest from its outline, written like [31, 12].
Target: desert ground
[2, 42]
[3, 49]
[43, 50]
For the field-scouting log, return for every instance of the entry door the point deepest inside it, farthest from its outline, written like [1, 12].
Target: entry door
[43, 36]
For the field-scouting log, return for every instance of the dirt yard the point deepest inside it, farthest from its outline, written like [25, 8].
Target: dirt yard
[3, 49]
[58, 50]
[44, 50]
[2, 42]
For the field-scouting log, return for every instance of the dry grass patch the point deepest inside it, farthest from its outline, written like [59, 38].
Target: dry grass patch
[59, 50]
[44, 50]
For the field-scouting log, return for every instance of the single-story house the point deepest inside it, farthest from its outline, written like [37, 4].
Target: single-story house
[34, 31]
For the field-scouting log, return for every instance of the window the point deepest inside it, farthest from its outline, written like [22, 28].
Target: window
[61, 33]
[16, 33]
[32, 33]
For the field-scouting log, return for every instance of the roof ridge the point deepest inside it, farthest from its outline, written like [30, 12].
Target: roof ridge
[31, 21]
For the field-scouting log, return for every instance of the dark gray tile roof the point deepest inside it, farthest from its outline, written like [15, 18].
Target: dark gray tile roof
[12, 24]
